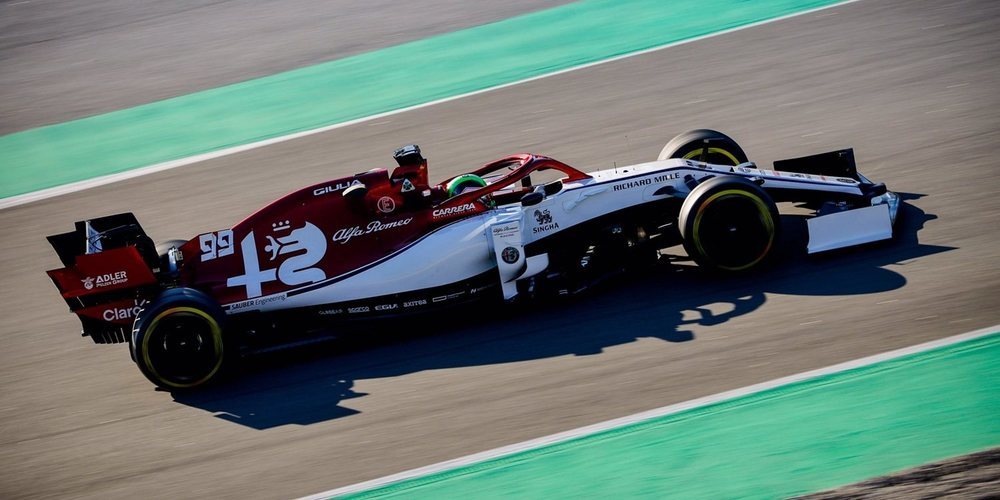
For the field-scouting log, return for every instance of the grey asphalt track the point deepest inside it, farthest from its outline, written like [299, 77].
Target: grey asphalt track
[64, 60]
[909, 84]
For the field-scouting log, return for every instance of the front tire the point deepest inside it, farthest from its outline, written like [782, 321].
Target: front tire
[177, 340]
[720, 149]
[729, 224]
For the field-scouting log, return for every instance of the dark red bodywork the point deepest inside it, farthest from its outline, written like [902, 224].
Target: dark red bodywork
[310, 235]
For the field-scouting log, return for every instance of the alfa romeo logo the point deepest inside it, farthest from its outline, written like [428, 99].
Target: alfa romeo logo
[386, 205]
[510, 255]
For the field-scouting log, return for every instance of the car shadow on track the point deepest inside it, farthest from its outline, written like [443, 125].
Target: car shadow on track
[307, 386]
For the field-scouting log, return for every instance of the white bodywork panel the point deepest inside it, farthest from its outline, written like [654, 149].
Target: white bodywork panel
[466, 248]
[849, 228]
[451, 254]
[508, 249]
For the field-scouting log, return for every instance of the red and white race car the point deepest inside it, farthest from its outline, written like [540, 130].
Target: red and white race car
[381, 244]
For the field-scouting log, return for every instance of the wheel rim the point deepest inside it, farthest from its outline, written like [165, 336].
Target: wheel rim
[734, 230]
[183, 347]
[716, 156]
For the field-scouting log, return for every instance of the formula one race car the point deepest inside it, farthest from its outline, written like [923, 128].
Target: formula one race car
[376, 244]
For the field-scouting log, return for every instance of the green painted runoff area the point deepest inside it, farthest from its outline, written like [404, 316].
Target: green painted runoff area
[364, 85]
[800, 438]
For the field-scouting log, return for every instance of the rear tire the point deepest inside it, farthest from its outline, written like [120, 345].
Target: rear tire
[729, 224]
[721, 149]
[177, 340]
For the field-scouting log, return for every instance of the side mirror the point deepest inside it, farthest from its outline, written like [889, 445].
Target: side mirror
[532, 198]
[355, 196]
[874, 189]
[355, 192]
[553, 187]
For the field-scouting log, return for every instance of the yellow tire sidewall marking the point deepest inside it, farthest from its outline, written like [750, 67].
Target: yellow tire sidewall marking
[763, 210]
[216, 332]
[697, 152]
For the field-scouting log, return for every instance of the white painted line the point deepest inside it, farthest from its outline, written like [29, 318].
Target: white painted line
[651, 414]
[52, 192]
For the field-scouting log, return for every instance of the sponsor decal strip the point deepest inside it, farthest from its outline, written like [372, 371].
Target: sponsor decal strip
[344, 235]
[333, 188]
[444, 212]
[350, 274]
[123, 313]
[545, 222]
[408, 300]
[836, 187]
[362, 269]
[646, 181]
[103, 280]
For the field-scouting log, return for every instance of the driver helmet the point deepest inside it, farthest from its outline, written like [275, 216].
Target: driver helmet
[412, 167]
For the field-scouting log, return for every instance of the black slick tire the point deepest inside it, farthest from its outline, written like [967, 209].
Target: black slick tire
[178, 339]
[729, 224]
[720, 149]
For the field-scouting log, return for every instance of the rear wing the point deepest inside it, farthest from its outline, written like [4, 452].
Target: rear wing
[110, 271]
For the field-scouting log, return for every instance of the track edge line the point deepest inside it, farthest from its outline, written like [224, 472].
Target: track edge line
[73, 187]
[651, 414]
